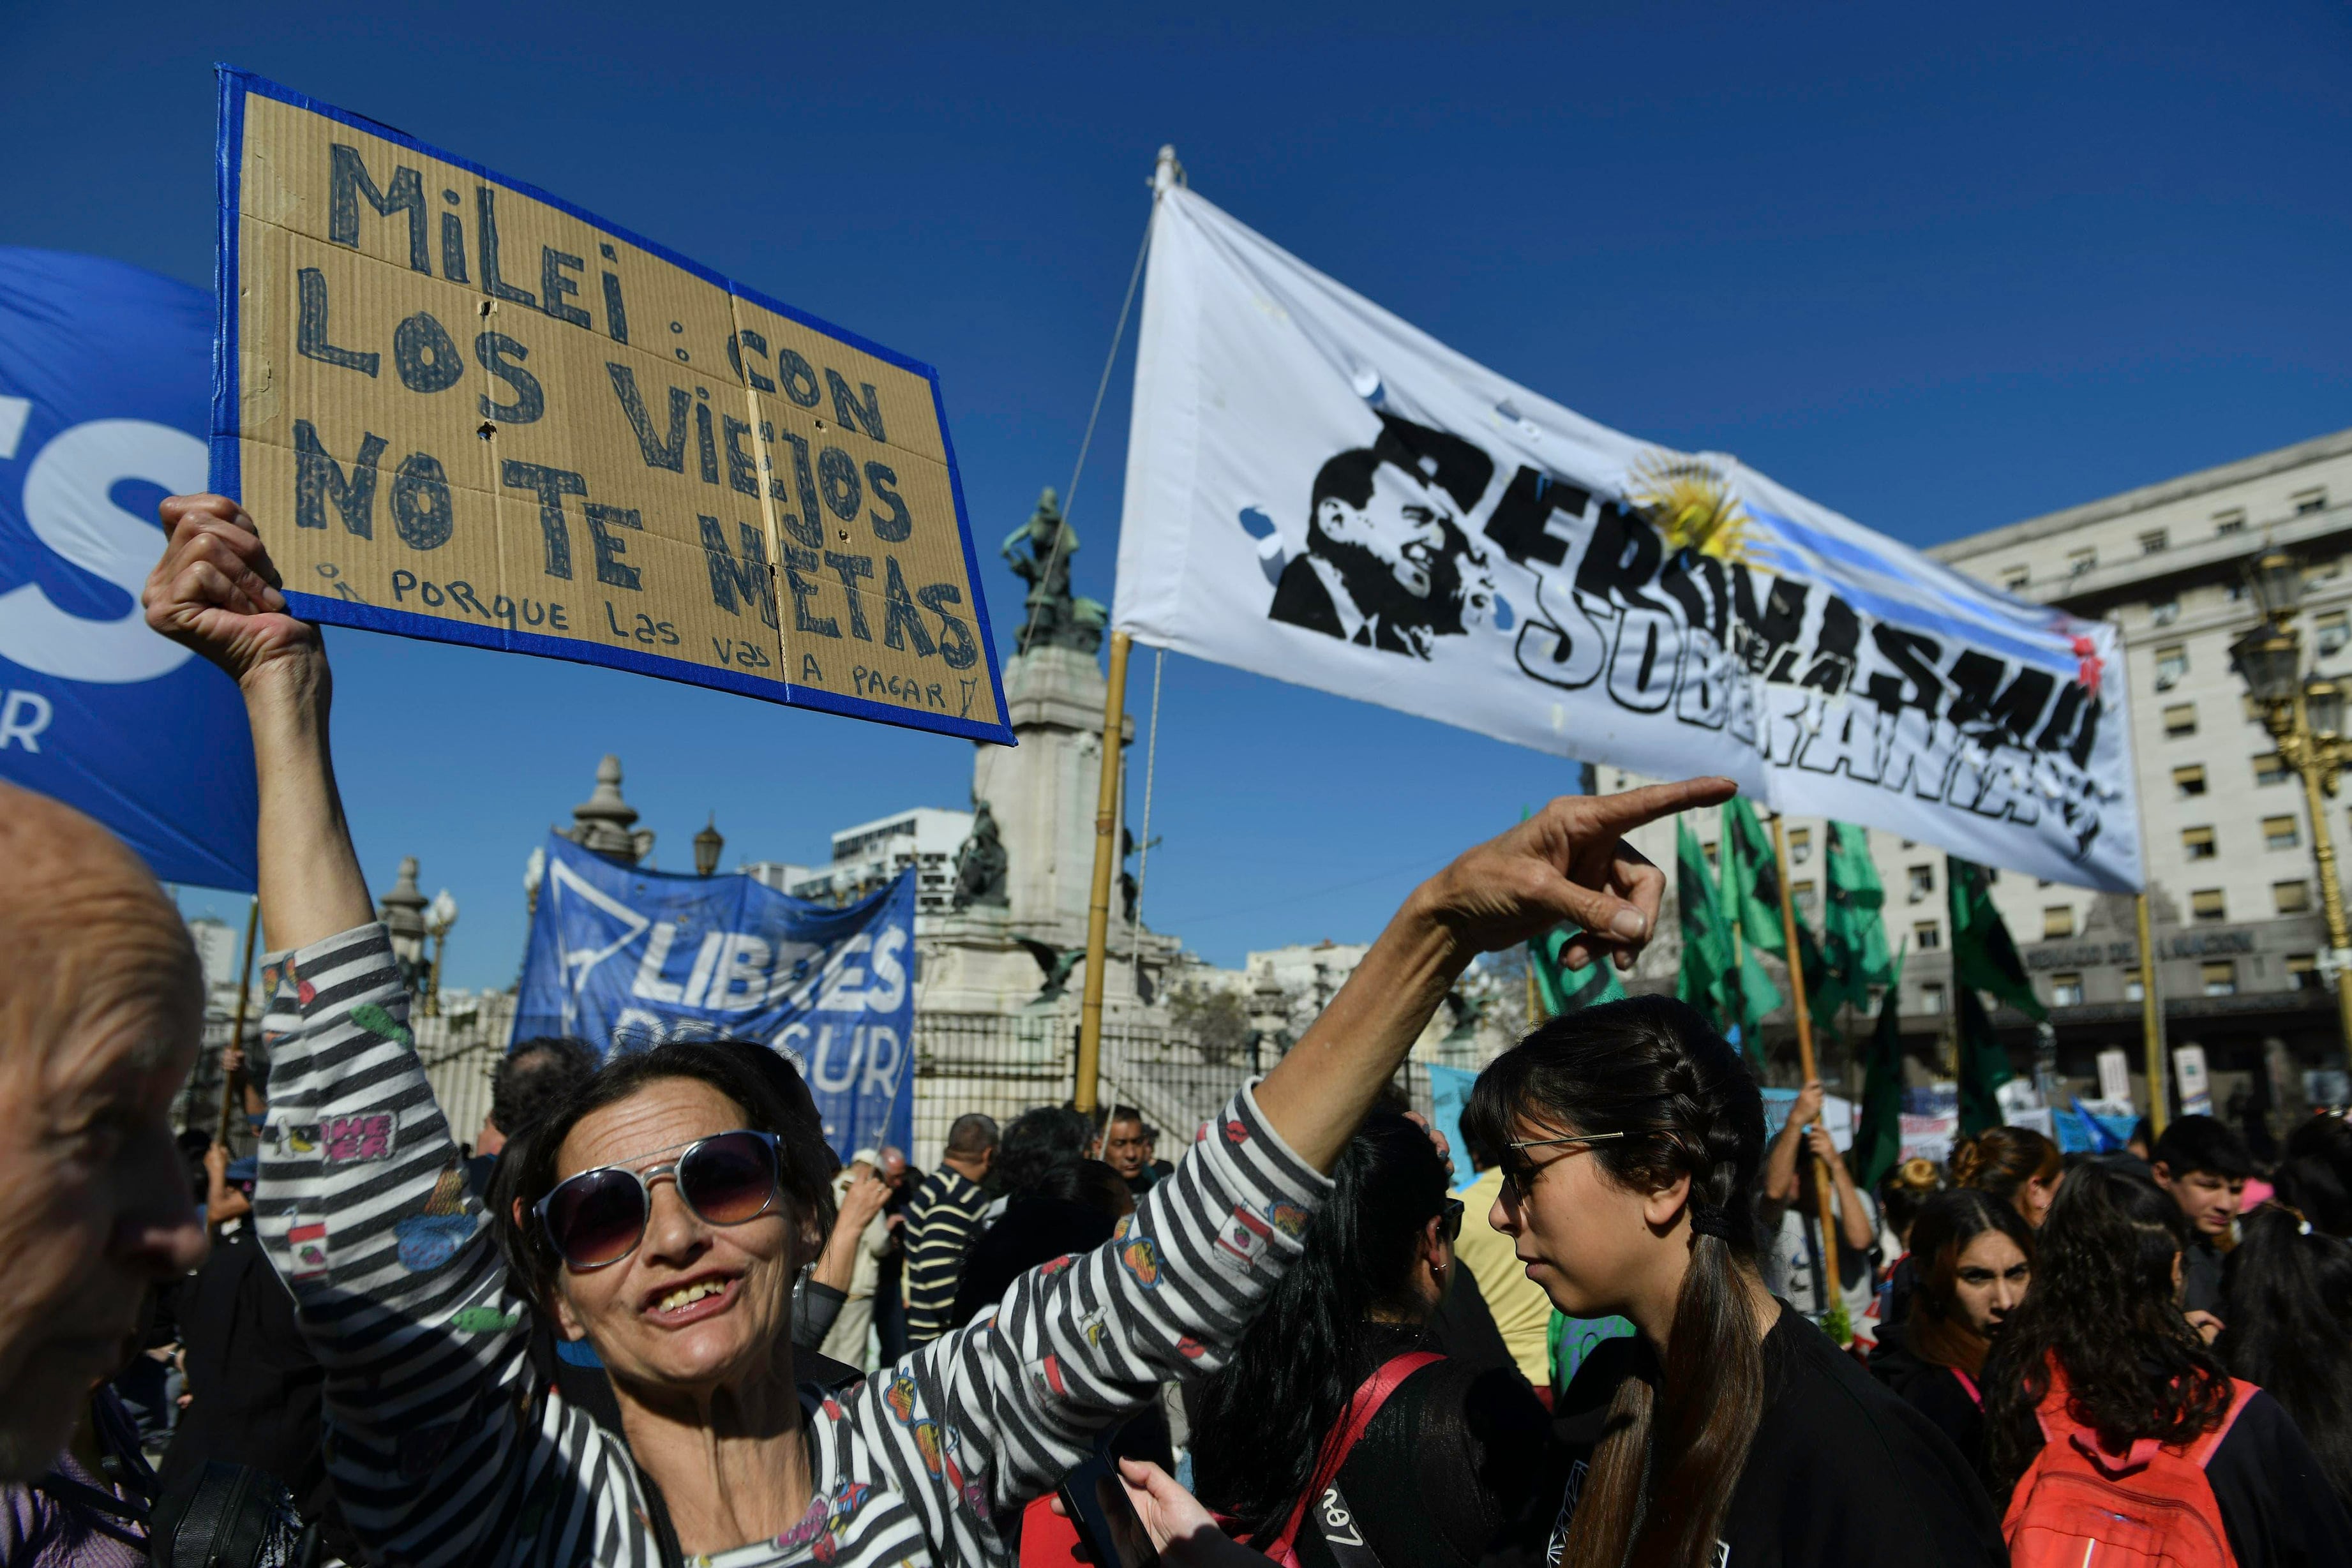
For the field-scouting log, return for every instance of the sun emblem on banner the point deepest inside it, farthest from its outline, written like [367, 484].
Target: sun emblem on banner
[1691, 505]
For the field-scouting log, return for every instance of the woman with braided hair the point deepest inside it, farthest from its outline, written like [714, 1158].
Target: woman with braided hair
[1729, 1429]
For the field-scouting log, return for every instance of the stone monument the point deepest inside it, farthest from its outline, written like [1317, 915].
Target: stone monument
[1024, 876]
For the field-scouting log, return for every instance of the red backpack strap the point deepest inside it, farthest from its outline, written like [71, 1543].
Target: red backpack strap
[1362, 1406]
[1967, 1385]
[2200, 1452]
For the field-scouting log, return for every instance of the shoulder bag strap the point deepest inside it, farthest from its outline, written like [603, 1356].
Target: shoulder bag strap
[1362, 1406]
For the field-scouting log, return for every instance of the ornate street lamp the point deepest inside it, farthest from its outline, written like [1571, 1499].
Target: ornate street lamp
[2268, 659]
[706, 845]
[402, 913]
[1269, 1019]
[2322, 706]
[439, 916]
[2306, 717]
[2277, 582]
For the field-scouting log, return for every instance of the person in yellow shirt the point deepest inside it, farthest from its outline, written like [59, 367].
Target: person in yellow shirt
[1521, 1311]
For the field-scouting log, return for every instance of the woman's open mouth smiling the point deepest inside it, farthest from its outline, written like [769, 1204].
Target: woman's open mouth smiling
[693, 1300]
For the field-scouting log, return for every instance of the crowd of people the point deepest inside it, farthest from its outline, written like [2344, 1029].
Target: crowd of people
[644, 1315]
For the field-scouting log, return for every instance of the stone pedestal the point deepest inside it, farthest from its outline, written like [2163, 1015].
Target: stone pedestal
[1044, 791]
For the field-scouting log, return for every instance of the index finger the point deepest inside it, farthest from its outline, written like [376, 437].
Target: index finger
[1647, 804]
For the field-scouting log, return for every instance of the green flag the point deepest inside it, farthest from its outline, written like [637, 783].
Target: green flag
[1984, 1066]
[1854, 930]
[1984, 958]
[1750, 997]
[1878, 1132]
[1751, 898]
[1564, 990]
[1706, 935]
[1751, 878]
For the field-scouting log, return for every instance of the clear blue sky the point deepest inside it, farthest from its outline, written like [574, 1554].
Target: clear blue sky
[1940, 269]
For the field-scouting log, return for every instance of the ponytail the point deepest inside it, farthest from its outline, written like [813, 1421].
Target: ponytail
[1653, 1069]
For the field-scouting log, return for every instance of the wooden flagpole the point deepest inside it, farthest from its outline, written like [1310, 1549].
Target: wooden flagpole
[1087, 1092]
[2151, 1023]
[1831, 1283]
[232, 1082]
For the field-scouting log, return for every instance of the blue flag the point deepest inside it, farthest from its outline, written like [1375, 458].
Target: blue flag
[622, 957]
[105, 397]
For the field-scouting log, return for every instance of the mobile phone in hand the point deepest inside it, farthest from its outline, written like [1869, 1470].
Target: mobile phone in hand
[1096, 1502]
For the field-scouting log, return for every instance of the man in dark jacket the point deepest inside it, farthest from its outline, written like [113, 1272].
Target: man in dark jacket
[2204, 1166]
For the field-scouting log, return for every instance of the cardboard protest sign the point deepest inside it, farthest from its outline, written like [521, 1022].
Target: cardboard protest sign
[458, 408]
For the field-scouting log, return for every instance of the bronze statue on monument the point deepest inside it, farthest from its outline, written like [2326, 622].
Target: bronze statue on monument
[1053, 617]
[982, 864]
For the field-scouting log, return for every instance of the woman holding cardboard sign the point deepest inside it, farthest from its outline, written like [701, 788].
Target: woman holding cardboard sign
[668, 1206]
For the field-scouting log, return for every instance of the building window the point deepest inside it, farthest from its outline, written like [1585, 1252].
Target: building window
[2293, 897]
[2189, 780]
[2079, 561]
[1926, 935]
[2133, 990]
[2197, 843]
[2015, 579]
[2181, 719]
[2171, 665]
[1709, 850]
[2306, 502]
[2152, 542]
[2164, 612]
[2303, 971]
[2280, 833]
[2057, 922]
[2220, 978]
[2334, 628]
[2233, 521]
[1922, 883]
[1801, 894]
[1801, 845]
[2065, 990]
[2269, 769]
[2207, 904]
[1931, 997]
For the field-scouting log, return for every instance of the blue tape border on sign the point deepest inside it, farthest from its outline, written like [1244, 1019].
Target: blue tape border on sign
[227, 462]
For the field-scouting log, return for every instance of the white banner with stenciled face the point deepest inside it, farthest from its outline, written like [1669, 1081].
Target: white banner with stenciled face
[1319, 491]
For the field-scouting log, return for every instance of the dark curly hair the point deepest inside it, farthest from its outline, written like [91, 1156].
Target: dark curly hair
[771, 1093]
[1661, 1480]
[1261, 1420]
[2286, 1296]
[2314, 1173]
[2105, 1306]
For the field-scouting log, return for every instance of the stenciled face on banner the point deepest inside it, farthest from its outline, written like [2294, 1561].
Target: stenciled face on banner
[458, 408]
[1666, 591]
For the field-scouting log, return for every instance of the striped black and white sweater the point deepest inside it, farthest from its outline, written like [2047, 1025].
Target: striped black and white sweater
[447, 1450]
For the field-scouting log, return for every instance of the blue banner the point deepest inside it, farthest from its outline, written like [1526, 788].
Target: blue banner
[622, 957]
[105, 397]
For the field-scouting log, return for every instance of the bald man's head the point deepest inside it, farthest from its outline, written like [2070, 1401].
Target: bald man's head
[99, 1022]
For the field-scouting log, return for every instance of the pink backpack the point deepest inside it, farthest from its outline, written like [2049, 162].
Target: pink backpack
[2078, 1506]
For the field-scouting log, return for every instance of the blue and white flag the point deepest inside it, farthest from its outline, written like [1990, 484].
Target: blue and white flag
[1320, 492]
[105, 396]
[622, 957]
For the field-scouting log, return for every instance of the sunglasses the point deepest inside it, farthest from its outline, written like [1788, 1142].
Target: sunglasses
[1520, 1173]
[1449, 1220]
[598, 1217]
